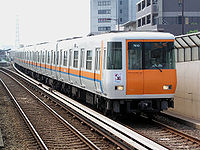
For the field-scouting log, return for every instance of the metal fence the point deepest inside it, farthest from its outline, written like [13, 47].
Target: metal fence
[187, 47]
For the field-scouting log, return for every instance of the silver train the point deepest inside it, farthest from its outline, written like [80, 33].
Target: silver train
[128, 72]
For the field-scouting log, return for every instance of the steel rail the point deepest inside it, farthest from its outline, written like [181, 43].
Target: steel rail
[93, 125]
[177, 132]
[67, 124]
[121, 142]
[27, 121]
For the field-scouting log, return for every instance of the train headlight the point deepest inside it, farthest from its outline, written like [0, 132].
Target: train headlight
[167, 87]
[119, 87]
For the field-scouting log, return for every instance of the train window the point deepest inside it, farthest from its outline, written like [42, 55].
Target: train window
[134, 55]
[57, 58]
[70, 56]
[43, 57]
[104, 58]
[51, 57]
[33, 56]
[38, 57]
[82, 57]
[54, 58]
[97, 58]
[30, 55]
[48, 57]
[75, 65]
[89, 60]
[65, 59]
[158, 55]
[114, 55]
[61, 57]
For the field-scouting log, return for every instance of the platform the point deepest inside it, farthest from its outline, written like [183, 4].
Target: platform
[182, 119]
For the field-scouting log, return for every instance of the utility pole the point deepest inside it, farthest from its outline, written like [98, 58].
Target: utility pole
[181, 4]
[17, 33]
[183, 20]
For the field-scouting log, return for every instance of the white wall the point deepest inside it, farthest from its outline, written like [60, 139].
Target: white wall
[187, 97]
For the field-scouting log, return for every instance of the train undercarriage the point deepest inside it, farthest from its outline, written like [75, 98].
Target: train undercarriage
[107, 106]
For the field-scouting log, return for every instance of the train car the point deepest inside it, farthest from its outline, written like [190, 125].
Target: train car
[126, 72]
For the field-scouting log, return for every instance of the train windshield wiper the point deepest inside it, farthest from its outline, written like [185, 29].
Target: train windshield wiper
[157, 67]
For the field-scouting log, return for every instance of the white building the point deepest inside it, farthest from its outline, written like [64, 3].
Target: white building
[107, 15]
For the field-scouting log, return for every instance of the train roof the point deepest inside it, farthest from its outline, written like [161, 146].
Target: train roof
[116, 36]
[135, 35]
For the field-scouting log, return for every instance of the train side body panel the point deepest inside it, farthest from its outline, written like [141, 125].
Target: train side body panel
[82, 64]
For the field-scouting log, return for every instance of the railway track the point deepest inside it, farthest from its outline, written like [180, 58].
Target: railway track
[119, 137]
[15, 133]
[49, 128]
[165, 135]
[177, 139]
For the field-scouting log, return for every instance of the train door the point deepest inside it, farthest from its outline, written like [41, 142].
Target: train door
[48, 62]
[82, 59]
[60, 64]
[51, 62]
[97, 77]
[56, 64]
[134, 72]
[45, 61]
[65, 65]
[70, 64]
[40, 60]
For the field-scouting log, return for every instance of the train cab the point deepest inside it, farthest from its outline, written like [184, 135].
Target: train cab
[141, 72]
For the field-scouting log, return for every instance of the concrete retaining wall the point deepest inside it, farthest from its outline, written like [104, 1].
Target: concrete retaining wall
[187, 97]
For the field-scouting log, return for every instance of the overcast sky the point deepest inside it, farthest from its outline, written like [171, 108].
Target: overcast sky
[43, 20]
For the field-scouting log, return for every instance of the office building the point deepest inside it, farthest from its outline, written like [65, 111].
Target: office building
[107, 15]
[174, 16]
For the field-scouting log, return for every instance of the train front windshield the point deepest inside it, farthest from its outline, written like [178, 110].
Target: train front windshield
[151, 55]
